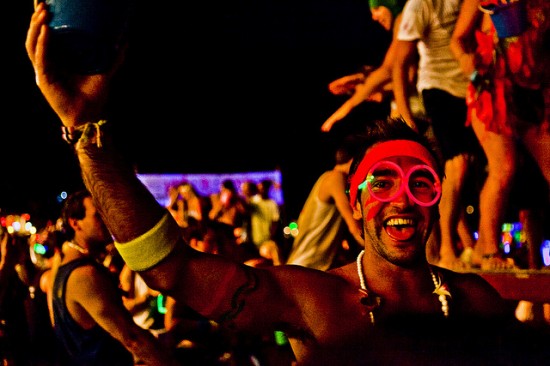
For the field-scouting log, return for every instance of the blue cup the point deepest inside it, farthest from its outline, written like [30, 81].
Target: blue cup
[509, 18]
[86, 34]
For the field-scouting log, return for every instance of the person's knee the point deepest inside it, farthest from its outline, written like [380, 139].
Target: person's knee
[503, 173]
[456, 168]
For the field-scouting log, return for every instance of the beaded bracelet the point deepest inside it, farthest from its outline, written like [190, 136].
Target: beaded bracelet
[84, 133]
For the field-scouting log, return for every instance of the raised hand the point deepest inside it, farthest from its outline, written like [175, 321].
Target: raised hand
[75, 98]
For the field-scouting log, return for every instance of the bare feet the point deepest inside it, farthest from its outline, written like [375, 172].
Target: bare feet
[466, 255]
[454, 263]
[495, 262]
[527, 311]
[524, 311]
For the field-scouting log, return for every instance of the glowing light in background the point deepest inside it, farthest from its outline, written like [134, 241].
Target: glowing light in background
[291, 229]
[545, 252]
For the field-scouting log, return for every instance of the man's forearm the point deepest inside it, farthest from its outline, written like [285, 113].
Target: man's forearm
[125, 204]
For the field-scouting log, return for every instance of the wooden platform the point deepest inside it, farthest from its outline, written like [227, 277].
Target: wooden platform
[523, 284]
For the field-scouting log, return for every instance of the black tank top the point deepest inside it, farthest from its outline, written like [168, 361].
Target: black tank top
[85, 347]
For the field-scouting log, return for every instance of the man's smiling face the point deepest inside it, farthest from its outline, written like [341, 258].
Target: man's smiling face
[397, 229]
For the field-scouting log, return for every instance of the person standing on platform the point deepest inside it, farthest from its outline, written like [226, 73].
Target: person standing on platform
[425, 31]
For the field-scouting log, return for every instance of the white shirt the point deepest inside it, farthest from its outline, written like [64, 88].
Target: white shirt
[431, 23]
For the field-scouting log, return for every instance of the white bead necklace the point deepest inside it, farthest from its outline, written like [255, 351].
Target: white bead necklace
[440, 289]
[77, 247]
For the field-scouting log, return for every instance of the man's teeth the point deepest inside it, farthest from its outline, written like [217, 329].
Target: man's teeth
[399, 222]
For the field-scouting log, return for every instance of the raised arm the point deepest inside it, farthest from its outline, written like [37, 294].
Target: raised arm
[461, 40]
[147, 236]
[405, 52]
[378, 81]
[164, 260]
[76, 100]
[107, 311]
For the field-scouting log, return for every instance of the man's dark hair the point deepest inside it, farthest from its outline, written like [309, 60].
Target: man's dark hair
[388, 130]
[229, 184]
[266, 184]
[347, 149]
[73, 208]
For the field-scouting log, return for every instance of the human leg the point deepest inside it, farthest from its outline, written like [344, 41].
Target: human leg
[449, 210]
[536, 139]
[501, 154]
[467, 240]
[457, 144]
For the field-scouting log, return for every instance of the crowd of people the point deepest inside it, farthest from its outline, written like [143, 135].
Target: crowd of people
[205, 280]
[74, 300]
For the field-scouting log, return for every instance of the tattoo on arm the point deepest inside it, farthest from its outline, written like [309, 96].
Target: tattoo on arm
[238, 299]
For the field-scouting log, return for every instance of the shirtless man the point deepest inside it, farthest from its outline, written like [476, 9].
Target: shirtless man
[389, 307]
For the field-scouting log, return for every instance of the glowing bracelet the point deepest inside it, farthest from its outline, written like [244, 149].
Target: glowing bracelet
[152, 247]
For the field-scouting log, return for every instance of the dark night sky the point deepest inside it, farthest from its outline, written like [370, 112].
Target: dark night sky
[211, 87]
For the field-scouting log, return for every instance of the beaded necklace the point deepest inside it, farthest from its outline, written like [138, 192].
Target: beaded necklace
[440, 288]
[77, 247]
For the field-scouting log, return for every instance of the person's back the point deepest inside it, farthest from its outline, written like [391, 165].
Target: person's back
[46, 248]
[89, 318]
[437, 67]
[228, 207]
[326, 218]
[92, 346]
[320, 228]
[264, 215]
[196, 205]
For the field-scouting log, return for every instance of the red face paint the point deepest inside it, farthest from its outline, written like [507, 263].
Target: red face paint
[371, 213]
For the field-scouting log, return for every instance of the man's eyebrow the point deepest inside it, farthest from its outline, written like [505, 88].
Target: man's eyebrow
[384, 171]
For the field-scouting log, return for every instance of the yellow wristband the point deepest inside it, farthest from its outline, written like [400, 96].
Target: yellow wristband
[152, 247]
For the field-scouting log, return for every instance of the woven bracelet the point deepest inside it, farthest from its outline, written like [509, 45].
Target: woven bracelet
[84, 133]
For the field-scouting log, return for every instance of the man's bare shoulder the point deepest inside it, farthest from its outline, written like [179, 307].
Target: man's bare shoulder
[334, 181]
[348, 272]
[305, 284]
[88, 281]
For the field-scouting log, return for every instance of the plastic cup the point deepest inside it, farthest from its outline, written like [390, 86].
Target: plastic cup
[86, 34]
[509, 19]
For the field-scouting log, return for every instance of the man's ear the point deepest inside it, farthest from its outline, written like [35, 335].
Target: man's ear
[357, 213]
[73, 223]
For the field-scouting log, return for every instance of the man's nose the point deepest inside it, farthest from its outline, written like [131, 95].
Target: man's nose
[403, 199]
